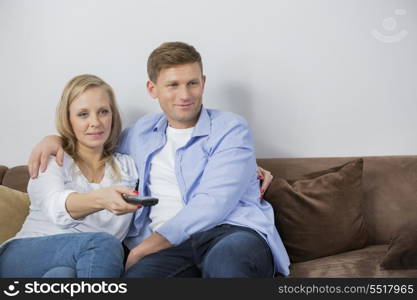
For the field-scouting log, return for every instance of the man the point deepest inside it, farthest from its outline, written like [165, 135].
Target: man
[201, 164]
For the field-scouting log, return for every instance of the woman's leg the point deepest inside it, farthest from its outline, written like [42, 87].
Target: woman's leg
[91, 255]
[60, 272]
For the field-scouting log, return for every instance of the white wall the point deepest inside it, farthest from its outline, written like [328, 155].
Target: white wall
[309, 76]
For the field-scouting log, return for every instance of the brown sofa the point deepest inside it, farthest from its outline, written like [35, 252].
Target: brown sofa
[388, 195]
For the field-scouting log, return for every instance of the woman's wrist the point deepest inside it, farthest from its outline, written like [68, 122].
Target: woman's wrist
[96, 200]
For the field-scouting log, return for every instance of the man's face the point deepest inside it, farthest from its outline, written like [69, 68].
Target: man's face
[180, 93]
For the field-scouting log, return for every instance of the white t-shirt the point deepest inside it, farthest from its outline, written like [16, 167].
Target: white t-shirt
[48, 194]
[162, 179]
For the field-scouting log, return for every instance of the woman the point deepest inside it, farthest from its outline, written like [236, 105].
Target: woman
[77, 216]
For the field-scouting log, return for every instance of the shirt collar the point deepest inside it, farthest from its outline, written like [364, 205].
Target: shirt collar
[202, 127]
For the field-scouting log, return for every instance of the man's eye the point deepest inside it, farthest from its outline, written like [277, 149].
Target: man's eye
[193, 83]
[172, 85]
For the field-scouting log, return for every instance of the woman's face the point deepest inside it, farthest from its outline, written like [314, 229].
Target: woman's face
[91, 118]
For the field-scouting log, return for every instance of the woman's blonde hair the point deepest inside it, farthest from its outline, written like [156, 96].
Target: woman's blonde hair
[74, 88]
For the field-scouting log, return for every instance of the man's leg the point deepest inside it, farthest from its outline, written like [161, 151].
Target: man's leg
[172, 262]
[89, 254]
[238, 253]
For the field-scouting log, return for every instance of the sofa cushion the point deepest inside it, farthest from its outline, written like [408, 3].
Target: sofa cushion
[3, 170]
[14, 207]
[320, 213]
[362, 263]
[17, 178]
[402, 251]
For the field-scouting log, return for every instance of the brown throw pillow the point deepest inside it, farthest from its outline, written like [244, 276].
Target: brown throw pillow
[402, 250]
[320, 214]
[14, 207]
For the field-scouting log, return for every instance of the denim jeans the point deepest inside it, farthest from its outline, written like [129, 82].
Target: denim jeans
[223, 251]
[85, 255]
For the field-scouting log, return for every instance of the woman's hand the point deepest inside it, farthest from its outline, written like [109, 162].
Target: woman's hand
[49, 145]
[266, 178]
[109, 198]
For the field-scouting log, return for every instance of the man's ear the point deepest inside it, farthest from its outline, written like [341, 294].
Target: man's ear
[152, 90]
[204, 81]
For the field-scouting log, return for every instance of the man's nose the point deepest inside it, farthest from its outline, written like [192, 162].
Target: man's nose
[184, 93]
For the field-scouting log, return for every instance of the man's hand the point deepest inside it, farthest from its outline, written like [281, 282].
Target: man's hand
[38, 160]
[132, 258]
[154, 243]
[266, 178]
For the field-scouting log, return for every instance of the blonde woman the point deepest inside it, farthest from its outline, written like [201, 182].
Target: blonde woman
[77, 216]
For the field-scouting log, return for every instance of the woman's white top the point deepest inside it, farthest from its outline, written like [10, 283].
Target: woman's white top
[48, 194]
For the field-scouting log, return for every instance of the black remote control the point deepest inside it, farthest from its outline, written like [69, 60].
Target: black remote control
[138, 200]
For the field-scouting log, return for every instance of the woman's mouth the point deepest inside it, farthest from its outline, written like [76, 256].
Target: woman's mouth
[96, 134]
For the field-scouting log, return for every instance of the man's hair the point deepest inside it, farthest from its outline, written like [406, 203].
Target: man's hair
[171, 54]
[74, 88]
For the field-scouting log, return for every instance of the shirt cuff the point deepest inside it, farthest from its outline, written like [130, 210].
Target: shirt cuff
[62, 217]
[174, 234]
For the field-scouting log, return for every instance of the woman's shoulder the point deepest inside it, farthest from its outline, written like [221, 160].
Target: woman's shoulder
[67, 162]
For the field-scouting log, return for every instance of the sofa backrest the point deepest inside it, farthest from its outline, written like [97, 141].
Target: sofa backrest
[16, 178]
[389, 186]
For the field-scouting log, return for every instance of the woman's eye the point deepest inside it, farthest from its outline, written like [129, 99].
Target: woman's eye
[104, 111]
[82, 115]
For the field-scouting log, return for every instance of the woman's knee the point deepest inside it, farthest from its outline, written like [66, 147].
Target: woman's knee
[60, 272]
[103, 240]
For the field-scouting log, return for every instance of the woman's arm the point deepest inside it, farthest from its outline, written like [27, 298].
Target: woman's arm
[64, 206]
[80, 205]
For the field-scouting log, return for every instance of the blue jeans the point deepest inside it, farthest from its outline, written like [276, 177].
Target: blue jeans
[85, 255]
[223, 251]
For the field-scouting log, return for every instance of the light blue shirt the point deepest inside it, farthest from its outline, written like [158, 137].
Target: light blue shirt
[216, 174]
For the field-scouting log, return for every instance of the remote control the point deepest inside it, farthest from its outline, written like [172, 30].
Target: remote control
[136, 199]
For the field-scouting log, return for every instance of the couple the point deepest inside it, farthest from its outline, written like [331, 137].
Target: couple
[200, 163]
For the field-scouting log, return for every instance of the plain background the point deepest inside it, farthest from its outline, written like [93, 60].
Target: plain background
[311, 77]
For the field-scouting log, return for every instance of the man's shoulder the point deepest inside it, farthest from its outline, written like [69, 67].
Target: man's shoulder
[225, 119]
[147, 122]
[227, 129]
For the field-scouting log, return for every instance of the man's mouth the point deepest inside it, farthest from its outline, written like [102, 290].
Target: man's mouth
[186, 105]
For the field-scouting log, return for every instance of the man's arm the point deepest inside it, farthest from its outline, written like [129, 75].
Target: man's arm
[38, 160]
[231, 167]
[154, 243]
[266, 178]
[52, 145]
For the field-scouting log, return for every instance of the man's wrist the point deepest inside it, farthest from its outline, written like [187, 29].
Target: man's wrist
[136, 253]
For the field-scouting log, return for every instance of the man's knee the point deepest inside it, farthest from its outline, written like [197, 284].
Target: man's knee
[239, 254]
